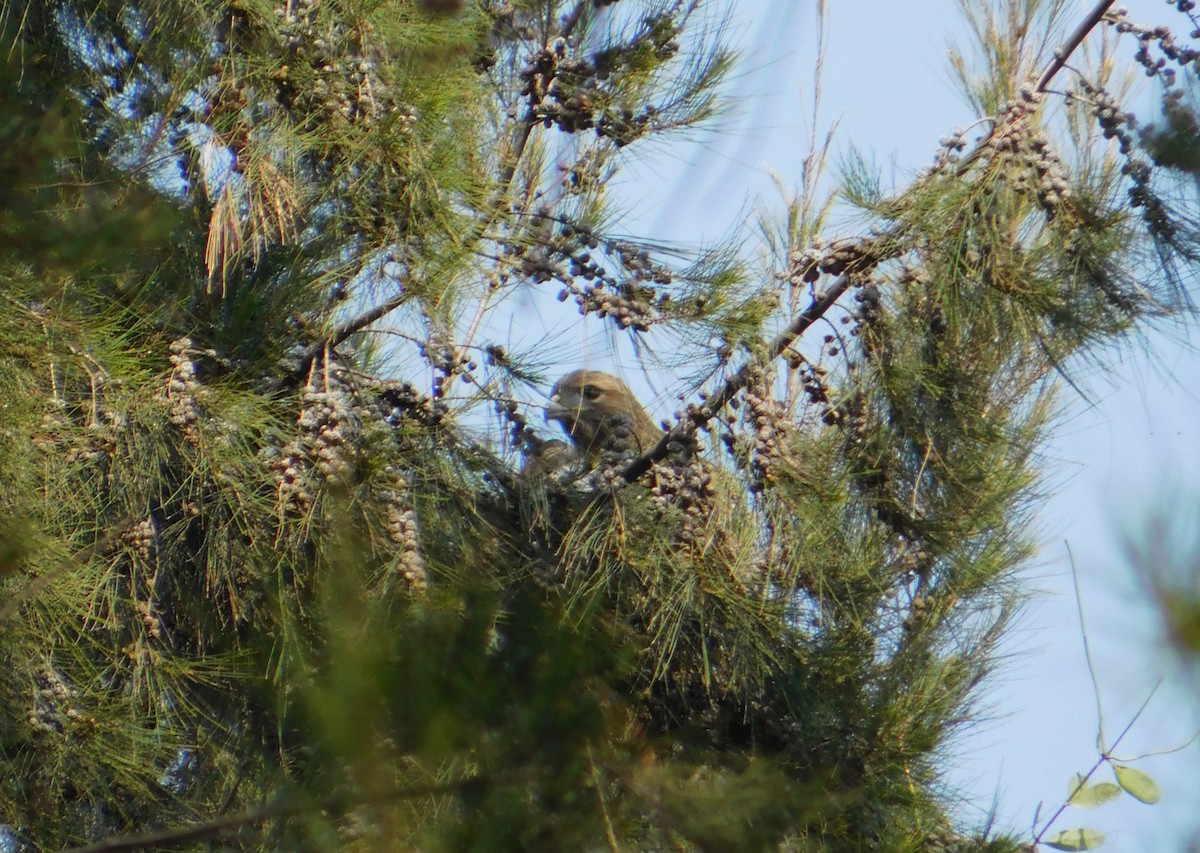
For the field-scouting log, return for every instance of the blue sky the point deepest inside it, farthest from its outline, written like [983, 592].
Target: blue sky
[1126, 450]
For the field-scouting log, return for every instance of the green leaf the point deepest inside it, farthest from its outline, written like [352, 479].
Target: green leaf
[1137, 783]
[1076, 839]
[1086, 796]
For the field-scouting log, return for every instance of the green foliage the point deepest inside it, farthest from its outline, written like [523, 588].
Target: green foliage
[1089, 796]
[1165, 551]
[272, 578]
[1136, 783]
[1075, 839]
[1081, 793]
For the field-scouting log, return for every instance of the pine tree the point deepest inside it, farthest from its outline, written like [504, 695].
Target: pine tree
[275, 574]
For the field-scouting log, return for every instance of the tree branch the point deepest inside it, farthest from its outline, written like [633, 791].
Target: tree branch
[1072, 44]
[739, 380]
[339, 335]
[284, 806]
[110, 538]
[819, 306]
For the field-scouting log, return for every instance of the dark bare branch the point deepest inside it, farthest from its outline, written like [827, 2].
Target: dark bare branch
[282, 807]
[738, 381]
[1072, 44]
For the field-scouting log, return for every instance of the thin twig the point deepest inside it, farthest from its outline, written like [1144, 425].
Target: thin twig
[609, 833]
[339, 336]
[1152, 753]
[1105, 757]
[1037, 838]
[520, 139]
[377, 312]
[1057, 64]
[1133, 719]
[1087, 653]
[572, 18]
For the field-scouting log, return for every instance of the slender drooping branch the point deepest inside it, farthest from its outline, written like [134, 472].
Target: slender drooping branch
[378, 312]
[1059, 61]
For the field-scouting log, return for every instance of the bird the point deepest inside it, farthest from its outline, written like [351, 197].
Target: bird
[601, 416]
[606, 423]
[549, 459]
[676, 552]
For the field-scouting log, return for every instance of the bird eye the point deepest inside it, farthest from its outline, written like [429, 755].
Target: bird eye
[590, 392]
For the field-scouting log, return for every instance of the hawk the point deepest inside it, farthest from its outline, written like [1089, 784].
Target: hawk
[696, 510]
[601, 415]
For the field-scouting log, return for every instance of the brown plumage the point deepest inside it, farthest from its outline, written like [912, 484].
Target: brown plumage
[600, 414]
[554, 459]
[686, 513]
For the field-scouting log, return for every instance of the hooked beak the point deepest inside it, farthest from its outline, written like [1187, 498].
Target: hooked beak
[555, 411]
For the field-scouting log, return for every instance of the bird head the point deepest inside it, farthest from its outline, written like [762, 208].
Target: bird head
[599, 413]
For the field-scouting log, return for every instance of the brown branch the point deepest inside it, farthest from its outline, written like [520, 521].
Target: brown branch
[508, 170]
[819, 306]
[79, 558]
[518, 143]
[572, 18]
[739, 380]
[339, 335]
[280, 807]
[1058, 63]
[1072, 44]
